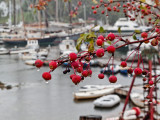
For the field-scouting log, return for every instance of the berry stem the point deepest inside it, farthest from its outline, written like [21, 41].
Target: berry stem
[107, 64]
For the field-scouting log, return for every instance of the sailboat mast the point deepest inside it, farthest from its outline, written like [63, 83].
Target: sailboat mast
[84, 7]
[57, 20]
[70, 17]
[14, 12]
[69, 7]
[40, 21]
[22, 18]
[10, 15]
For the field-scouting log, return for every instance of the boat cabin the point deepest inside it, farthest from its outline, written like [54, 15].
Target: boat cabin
[32, 44]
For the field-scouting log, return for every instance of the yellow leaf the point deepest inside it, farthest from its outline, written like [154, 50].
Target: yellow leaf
[95, 1]
[157, 2]
[143, 1]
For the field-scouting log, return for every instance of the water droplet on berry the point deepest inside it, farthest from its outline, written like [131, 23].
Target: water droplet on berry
[47, 82]
[143, 75]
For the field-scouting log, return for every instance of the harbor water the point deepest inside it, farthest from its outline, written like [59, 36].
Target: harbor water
[33, 99]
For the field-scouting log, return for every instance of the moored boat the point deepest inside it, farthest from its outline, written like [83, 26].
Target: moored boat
[107, 101]
[137, 99]
[95, 93]
[67, 46]
[4, 51]
[87, 88]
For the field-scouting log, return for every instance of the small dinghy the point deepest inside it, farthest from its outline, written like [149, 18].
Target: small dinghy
[95, 87]
[95, 93]
[137, 99]
[107, 101]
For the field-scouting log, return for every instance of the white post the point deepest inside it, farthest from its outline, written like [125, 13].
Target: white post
[57, 20]
[84, 7]
[10, 15]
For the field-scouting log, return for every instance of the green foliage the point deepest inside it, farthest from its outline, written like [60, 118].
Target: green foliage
[137, 31]
[86, 37]
[134, 37]
[101, 30]
[119, 29]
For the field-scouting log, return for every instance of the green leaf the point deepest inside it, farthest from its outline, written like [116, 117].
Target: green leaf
[109, 42]
[119, 29]
[91, 46]
[137, 31]
[143, 1]
[157, 21]
[101, 30]
[143, 7]
[82, 38]
[91, 35]
[79, 42]
[134, 37]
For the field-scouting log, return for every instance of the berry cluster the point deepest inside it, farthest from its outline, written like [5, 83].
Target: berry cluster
[131, 9]
[75, 11]
[40, 5]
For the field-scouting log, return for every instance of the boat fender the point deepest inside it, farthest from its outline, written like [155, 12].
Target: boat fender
[130, 115]
[137, 109]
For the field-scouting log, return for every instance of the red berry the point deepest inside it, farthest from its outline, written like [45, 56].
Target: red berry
[137, 71]
[112, 79]
[97, 6]
[89, 72]
[72, 56]
[101, 76]
[46, 76]
[79, 3]
[75, 64]
[154, 42]
[144, 79]
[76, 79]
[99, 42]
[53, 65]
[95, 12]
[38, 63]
[111, 49]
[85, 73]
[71, 76]
[102, 11]
[144, 35]
[123, 64]
[93, 7]
[101, 37]
[118, 4]
[151, 82]
[130, 70]
[79, 69]
[124, 5]
[144, 72]
[109, 8]
[157, 30]
[100, 52]
[111, 36]
[114, 8]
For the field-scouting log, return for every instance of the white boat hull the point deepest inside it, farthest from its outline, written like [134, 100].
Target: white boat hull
[95, 93]
[107, 101]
